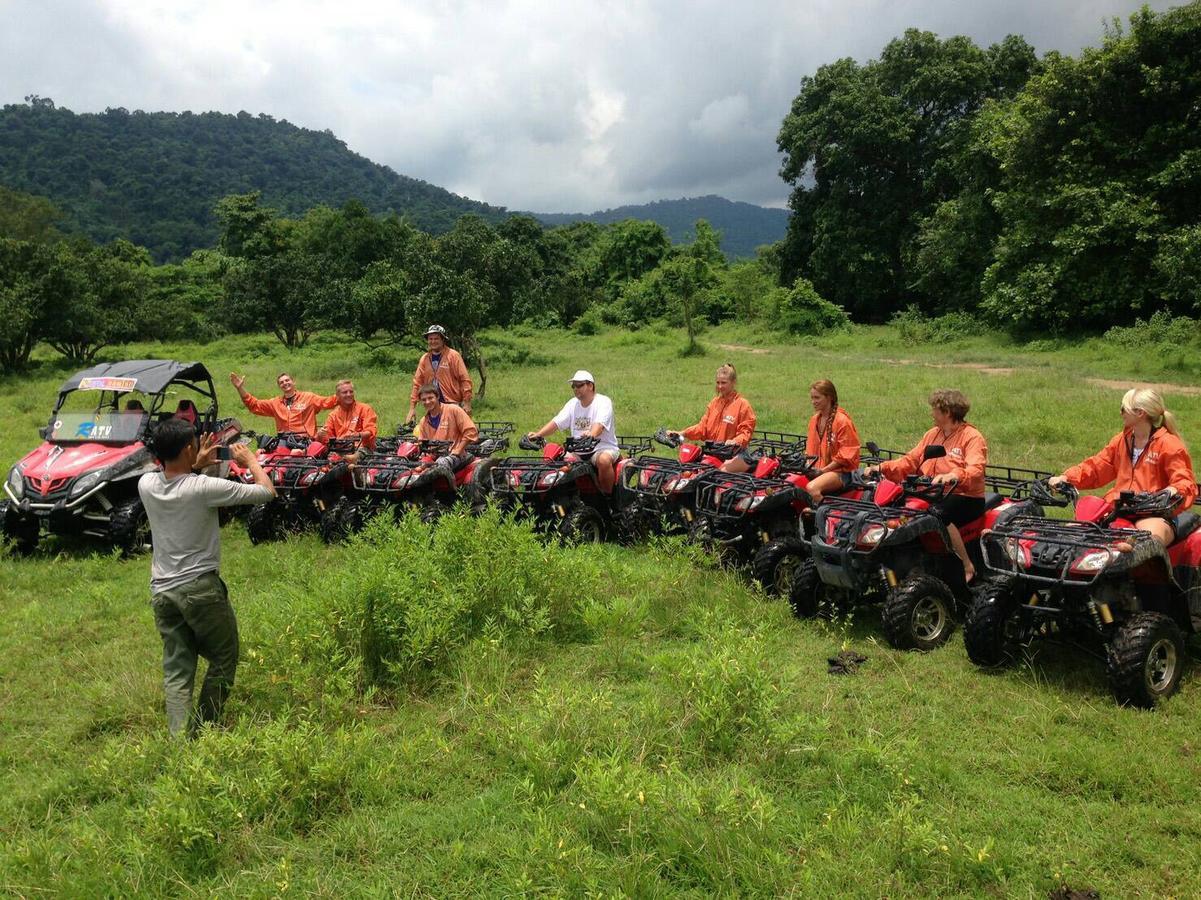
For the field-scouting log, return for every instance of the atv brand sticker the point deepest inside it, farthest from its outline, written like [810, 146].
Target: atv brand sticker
[94, 431]
[107, 384]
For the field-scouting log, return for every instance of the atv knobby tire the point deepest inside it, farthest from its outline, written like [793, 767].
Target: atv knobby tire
[129, 527]
[582, 525]
[990, 625]
[919, 614]
[22, 531]
[340, 520]
[431, 512]
[1146, 660]
[776, 565]
[635, 523]
[480, 487]
[264, 523]
[808, 591]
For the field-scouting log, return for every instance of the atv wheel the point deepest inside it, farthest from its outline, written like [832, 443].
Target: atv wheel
[129, 528]
[808, 591]
[264, 523]
[635, 524]
[776, 565]
[990, 629]
[1146, 660]
[480, 487]
[340, 521]
[431, 512]
[918, 614]
[22, 531]
[583, 525]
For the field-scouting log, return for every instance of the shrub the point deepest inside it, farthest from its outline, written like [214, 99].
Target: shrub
[1162, 329]
[914, 326]
[589, 323]
[804, 311]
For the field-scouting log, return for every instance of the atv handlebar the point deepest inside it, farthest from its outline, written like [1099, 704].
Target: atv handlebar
[669, 438]
[923, 488]
[581, 445]
[531, 443]
[1157, 505]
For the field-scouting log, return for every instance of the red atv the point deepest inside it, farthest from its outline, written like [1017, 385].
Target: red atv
[84, 479]
[659, 494]
[891, 549]
[401, 474]
[309, 475]
[1096, 579]
[558, 491]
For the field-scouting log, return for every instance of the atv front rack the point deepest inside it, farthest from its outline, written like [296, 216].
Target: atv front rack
[727, 496]
[521, 477]
[648, 476]
[376, 474]
[1053, 545]
[635, 444]
[776, 443]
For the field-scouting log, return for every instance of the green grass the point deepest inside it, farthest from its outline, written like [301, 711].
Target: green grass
[653, 727]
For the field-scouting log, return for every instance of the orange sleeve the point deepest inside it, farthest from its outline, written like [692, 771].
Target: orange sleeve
[1179, 469]
[811, 438]
[325, 402]
[897, 469]
[464, 377]
[257, 406]
[468, 433]
[419, 377]
[847, 452]
[1100, 469]
[975, 459]
[369, 426]
[746, 423]
[700, 431]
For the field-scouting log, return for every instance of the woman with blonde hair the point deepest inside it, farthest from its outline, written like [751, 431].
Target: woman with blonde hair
[728, 419]
[1146, 456]
[832, 439]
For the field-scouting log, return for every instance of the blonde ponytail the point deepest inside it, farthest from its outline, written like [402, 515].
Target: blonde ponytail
[1150, 402]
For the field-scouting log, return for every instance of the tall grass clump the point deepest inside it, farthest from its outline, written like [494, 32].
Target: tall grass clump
[408, 598]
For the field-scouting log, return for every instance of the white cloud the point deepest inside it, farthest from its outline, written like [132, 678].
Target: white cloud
[531, 104]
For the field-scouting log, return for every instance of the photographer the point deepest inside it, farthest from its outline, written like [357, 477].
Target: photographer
[190, 601]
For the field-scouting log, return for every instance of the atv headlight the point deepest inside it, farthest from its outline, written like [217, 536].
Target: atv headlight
[1094, 561]
[747, 504]
[549, 479]
[872, 535]
[16, 483]
[680, 483]
[1017, 554]
[309, 477]
[84, 484]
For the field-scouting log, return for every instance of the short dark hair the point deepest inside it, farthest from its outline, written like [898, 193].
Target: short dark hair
[171, 438]
[428, 388]
[951, 402]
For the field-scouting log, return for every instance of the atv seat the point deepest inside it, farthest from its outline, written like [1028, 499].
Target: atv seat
[1186, 524]
[992, 500]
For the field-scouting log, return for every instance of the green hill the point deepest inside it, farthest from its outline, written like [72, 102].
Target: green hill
[154, 177]
[743, 226]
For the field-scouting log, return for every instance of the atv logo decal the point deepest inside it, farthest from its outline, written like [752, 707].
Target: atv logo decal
[93, 431]
[52, 455]
[107, 384]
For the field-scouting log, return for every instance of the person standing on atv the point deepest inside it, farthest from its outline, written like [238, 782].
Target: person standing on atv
[350, 420]
[963, 463]
[446, 422]
[443, 367]
[728, 419]
[1147, 455]
[589, 414]
[832, 439]
[294, 411]
[190, 601]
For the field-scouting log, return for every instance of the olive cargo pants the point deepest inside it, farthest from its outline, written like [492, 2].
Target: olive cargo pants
[196, 619]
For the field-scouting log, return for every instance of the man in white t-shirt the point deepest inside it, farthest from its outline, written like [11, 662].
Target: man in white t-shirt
[589, 414]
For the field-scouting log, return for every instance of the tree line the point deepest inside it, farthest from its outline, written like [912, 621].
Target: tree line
[1045, 195]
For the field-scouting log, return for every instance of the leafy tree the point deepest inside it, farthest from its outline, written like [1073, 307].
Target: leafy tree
[690, 271]
[31, 282]
[27, 218]
[628, 250]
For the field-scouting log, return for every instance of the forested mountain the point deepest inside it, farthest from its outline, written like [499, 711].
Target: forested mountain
[154, 178]
[743, 226]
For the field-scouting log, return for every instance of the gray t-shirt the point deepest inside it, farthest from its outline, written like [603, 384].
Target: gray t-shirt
[183, 520]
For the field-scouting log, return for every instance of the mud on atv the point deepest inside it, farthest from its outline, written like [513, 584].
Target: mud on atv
[558, 491]
[306, 482]
[401, 474]
[893, 550]
[1097, 581]
[83, 480]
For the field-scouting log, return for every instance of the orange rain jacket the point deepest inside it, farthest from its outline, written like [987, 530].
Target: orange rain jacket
[359, 418]
[451, 377]
[300, 415]
[1164, 463]
[838, 445]
[454, 426]
[725, 419]
[967, 455]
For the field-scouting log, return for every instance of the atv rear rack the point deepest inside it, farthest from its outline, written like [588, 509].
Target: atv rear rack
[777, 443]
[1056, 544]
[719, 494]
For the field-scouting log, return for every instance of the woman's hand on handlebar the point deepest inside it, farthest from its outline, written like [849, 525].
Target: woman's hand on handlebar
[1055, 482]
[944, 478]
[871, 472]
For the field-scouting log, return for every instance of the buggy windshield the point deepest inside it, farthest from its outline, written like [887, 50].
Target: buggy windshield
[103, 427]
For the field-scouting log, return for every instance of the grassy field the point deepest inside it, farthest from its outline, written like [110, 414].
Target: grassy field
[593, 720]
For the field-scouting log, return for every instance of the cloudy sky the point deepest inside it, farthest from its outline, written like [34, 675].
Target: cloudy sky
[548, 106]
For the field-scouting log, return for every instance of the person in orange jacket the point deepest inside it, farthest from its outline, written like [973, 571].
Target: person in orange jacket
[1147, 455]
[728, 419]
[293, 410]
[964, 462]
[350, 420]
[443, 367]
[446, 422]
[831, 438]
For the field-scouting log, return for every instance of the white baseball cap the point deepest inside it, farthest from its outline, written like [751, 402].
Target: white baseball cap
[582, 375]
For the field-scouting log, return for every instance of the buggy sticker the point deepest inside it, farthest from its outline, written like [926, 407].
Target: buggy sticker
[93, 431]
[107, 384]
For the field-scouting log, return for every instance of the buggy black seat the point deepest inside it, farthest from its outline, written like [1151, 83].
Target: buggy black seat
[992, 500]
[1186, 524]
